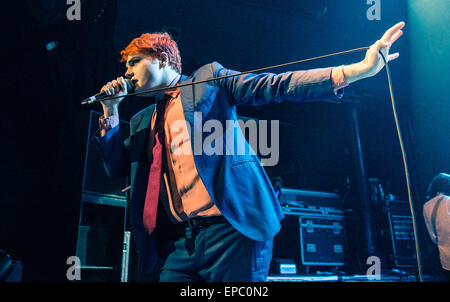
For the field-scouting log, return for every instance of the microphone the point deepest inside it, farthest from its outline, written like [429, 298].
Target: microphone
[102, 95]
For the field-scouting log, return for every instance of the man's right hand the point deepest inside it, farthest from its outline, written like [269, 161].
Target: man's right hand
[117, 88]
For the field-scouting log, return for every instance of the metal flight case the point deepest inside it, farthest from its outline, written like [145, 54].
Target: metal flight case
[311, 237]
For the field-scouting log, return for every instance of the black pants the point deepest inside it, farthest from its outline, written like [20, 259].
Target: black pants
[213, 252]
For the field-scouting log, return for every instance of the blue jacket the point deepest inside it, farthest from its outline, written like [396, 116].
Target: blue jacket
[237, 184]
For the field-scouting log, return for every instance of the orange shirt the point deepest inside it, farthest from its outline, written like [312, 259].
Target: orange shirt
[186, 192]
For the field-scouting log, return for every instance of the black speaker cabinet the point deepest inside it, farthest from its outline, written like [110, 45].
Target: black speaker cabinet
[103, 240]
[100, 242]
[97, 185]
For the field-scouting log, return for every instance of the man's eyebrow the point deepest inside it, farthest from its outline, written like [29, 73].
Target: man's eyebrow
[133, 59]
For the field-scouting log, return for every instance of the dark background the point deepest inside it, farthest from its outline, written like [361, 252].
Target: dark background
[44, 127]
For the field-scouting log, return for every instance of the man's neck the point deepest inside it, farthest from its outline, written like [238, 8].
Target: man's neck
[172, 79]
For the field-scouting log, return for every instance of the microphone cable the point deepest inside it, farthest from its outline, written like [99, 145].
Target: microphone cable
[394, 110]
[227, 76]
[405, 165]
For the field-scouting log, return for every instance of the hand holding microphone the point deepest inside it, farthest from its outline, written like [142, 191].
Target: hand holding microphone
[118, 88]
[114, 88]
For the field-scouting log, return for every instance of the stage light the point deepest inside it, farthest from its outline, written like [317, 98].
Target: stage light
[51, 45]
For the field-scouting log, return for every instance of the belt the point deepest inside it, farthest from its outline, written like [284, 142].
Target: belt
[199, 222]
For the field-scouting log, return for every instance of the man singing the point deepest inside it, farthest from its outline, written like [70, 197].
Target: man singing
[206, 217]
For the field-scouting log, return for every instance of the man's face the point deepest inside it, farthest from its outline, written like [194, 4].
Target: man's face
[145, 71]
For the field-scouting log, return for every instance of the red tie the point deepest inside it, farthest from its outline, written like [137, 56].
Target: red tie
[154, 177]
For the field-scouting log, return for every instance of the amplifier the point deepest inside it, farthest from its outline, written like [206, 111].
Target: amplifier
[312, 236]
[401, 233]
[394, 233]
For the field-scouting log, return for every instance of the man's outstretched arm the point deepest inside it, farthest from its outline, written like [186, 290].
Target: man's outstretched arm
[308, 85]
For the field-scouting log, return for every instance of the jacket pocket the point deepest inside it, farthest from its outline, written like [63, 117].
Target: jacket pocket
[242, 162]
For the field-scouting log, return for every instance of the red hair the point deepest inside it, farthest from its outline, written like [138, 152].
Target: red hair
[155, 44]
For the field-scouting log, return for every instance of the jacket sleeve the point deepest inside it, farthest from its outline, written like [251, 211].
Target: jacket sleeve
[260, 89]
[114, 152]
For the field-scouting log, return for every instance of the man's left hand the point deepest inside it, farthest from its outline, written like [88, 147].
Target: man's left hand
[373, 62]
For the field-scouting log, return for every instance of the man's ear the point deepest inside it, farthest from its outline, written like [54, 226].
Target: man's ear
[163, 59]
